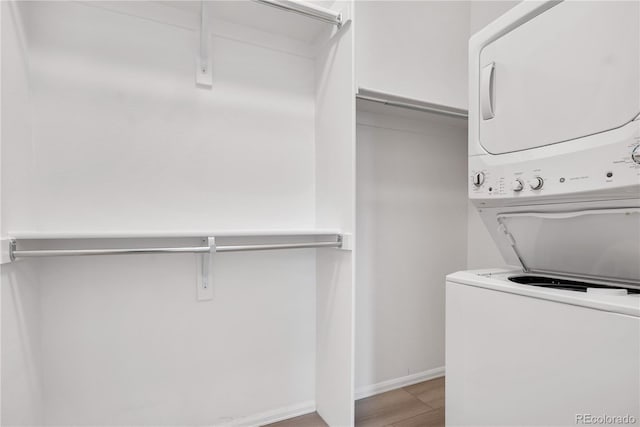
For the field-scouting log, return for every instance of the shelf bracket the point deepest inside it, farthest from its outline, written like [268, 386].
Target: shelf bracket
[346, 242]
[204, 64]
[205, 285]
[6, 253]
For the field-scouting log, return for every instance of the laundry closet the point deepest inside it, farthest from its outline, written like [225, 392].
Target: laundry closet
[226, 213]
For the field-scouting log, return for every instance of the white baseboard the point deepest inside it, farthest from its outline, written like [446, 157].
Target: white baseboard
[275, 415]
[373, 389]
[307, 407]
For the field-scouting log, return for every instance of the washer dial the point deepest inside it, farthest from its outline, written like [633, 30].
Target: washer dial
[517, 185]
[536, 183]
[635, 154]
[478, 179]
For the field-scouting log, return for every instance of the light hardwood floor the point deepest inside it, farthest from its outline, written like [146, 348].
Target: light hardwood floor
[418, 405]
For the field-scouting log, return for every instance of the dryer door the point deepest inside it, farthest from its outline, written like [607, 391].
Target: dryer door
[572, 71]
[601, 243]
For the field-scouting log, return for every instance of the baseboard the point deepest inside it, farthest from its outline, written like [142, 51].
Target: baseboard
[275, 415]
[373, 389]
[307, 407]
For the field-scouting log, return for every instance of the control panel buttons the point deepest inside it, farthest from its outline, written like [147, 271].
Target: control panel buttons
[478, 179]
[635, 154]
[536, 183]
[517, 185]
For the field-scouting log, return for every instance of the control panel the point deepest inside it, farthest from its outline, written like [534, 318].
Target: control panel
[609, 162]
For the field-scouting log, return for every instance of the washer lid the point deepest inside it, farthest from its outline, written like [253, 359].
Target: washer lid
[603, 244]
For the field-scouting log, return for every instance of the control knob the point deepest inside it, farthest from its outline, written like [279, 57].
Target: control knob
[635, 154]
[536, 183]
[517, 185]
[478, 179]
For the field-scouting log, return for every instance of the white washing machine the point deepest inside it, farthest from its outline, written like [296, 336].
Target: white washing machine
[554, 170]
[523, 353]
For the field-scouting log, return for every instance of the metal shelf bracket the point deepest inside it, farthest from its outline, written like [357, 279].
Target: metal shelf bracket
[204, 63]
[6, 253]
[205, 285]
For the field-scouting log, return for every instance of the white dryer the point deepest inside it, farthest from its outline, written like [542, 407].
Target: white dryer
[554, 170]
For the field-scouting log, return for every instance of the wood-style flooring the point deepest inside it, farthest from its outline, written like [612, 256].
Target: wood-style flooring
[418, 405]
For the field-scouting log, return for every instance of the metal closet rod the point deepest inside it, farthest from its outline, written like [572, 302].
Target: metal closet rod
[306, 9]
[15, 253]
[411, 104]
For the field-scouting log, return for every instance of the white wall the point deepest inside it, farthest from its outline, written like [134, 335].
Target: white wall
[20, 290]
[125, 342]
[415, 49]
[412, 231]
[335, 196]
[114, 102]
[483, 12]
[22, 397]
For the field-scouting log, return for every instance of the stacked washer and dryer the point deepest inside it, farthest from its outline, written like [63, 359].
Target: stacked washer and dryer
[554, 170]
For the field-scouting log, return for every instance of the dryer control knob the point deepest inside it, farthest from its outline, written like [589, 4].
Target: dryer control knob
[478, 179]
[536, 183]
[635, 154]
[517, 185]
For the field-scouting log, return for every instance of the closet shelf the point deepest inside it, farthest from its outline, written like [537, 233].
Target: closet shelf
[409, 103]
[209, 10]
[210, 248]
[306, 9]
[226, 18]
[14, 248]
[64, 235]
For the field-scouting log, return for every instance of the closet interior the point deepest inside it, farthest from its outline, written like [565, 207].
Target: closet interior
[140, 126]
[411, 188]
[411, 216]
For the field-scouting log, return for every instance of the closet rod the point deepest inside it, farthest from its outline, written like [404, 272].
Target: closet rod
[14, 253]
[242, 248]
[306, 9]
[412, 104]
